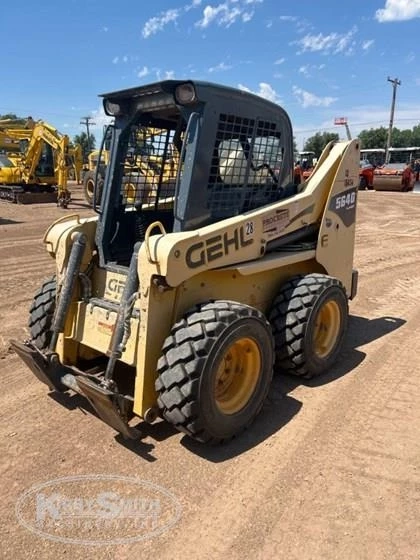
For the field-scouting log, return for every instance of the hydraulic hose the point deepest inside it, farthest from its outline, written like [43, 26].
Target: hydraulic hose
[121, 330]
[65, 297]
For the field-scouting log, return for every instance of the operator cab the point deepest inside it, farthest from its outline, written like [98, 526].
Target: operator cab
[189, 154]
[45, 166]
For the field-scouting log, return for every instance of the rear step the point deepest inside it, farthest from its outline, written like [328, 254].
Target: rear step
[112, 407]
[47, 369]
[109, 305]
[111, 412]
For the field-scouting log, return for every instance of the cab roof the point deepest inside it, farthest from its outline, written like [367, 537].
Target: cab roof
[204, 90]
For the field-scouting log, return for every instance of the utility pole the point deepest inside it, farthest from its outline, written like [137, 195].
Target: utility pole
[395, 82]
[86, 121]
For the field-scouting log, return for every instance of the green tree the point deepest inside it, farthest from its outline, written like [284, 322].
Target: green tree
[415, 135]
[373, 138]
[401, 138]
[9, 116]
[377, 137]
[17, 120]
[318, 142]
[87, 146]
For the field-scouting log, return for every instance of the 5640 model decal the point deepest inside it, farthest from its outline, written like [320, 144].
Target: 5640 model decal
[344, 205]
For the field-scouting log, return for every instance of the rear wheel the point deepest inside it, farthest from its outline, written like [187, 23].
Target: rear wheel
[89, 186]
[309, 319]
[41, 314]
[215, 370]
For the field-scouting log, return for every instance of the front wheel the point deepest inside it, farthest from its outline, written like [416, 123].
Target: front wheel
[309, 319]
[215, 370]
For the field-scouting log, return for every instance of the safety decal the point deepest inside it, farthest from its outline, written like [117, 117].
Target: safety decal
[275, 222]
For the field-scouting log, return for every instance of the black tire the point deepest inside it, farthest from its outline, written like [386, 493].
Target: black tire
[89, 186]
[41, 314]
[206, 349]
[309, 319]
[363, 183]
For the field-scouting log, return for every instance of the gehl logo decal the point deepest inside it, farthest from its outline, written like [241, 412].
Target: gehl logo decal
[216, 247]
[115, 286]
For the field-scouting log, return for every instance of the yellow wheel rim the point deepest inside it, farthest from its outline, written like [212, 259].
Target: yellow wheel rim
[327, 327]
[237, 375]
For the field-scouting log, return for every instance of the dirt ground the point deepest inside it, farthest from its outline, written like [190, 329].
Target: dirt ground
[330, 469]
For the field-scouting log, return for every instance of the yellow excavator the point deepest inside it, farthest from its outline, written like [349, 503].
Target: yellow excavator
[75, 159]
[141, 158]
[13, 134]
[9, 145]
[38, 171]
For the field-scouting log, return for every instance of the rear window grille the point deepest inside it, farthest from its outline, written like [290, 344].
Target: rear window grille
[245, 167]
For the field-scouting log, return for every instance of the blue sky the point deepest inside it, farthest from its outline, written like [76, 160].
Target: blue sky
[319, 59]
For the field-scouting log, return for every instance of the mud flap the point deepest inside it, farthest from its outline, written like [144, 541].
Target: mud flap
[103, 401]
[47, 369]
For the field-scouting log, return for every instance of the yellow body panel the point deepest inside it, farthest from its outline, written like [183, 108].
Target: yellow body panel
[10, 175]
[93, 326]
[178, 256]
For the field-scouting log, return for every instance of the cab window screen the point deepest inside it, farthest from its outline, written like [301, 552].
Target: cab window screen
[247, 158]
[150, 169]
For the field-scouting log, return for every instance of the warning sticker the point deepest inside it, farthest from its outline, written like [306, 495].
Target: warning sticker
[275, 222]
[104, 328]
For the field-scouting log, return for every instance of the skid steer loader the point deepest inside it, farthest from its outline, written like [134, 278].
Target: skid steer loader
[180, 298]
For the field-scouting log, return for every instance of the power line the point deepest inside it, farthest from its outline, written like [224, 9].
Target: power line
[365, 123]
[396, 82]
